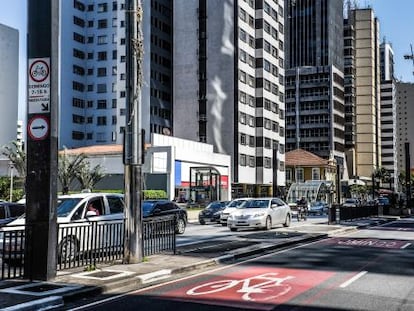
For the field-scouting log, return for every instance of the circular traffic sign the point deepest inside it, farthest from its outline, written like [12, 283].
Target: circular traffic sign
[38, 127]
[39, 71]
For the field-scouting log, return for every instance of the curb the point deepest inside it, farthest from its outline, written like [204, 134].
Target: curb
[48, 303]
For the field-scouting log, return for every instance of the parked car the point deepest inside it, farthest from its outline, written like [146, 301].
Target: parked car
[318, 208]
[212, 212]
[230, 207]
[9, 211]
[351, 202]
[260, 213]
[151, 208]
[71, 209]
[383, 201]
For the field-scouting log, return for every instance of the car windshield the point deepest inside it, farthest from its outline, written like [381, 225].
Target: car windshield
[214, 206]
[255, 204]
[147, 207]
[65, 206]
[236, 203]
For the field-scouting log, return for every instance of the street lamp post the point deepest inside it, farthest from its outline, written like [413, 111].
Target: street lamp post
[11, 181]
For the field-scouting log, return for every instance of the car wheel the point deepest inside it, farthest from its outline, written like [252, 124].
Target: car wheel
[180, 226]
[268, 223]
[202, 222]
[224, 225]
[233, 229]
[68, 250]
[287, 221]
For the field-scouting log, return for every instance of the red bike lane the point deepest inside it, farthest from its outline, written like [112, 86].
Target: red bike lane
[252, 287]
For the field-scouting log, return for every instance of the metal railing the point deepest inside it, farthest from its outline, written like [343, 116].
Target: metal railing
[82, 244]
[89, 243]
[338, 212]
[11, 252]
[159, 235]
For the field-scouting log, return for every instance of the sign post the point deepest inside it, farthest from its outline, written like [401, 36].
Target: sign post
[42, 107]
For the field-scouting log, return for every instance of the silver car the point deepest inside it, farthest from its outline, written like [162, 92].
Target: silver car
[260, 213]
[231, 207]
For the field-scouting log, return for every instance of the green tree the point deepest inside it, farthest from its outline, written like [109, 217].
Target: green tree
[16, 155]
[88, 177]
[68, 169]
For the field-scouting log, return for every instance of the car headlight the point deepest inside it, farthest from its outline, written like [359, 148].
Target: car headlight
[217, 213]
[259, 215]
[230, 217]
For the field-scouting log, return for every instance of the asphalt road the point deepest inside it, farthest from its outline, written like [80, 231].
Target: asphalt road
[370, 269]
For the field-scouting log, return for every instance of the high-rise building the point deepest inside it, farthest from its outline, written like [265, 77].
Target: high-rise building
[388, 114]
[350, 94]
[92, 62]
[315, 115]
[405, 128]
[229, 85]
[9, 82]
[367, 93]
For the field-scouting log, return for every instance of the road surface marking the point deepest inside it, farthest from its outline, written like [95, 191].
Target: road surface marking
[353, 279]
[406, 245]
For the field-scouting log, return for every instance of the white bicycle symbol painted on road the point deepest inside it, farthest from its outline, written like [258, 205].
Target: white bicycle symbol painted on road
[261, 287]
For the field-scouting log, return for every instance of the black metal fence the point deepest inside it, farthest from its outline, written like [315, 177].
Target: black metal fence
[159, 235]
[11, 252]
[338, 212]
[87, 243]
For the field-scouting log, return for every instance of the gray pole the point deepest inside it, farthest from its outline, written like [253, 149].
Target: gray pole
[133, 134]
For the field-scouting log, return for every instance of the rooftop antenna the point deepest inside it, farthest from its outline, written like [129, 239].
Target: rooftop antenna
[410, 56]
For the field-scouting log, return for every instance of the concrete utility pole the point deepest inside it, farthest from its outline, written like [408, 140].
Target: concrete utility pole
[133, 134]
[42, 119]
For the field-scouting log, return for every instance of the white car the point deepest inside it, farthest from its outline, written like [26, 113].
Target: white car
[230, 207]
[260, 213]
[73, 219]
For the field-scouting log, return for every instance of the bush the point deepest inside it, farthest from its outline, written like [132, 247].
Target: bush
[154, 194]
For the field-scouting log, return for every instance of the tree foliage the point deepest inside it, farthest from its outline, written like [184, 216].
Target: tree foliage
[68, 169]
[88, 177]
[16, 155]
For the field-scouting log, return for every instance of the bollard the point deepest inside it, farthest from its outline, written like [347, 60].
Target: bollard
[332, 214]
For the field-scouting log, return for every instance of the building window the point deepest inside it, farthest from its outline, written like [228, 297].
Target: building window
[102, 56]
[102, 7]
[252, 162]
[101, 121]
[102, 39]
[300, 177]
[242, 160]
[101, 88]
[101, 104]
[102, 72]
[102, 23]
[316, 173]
[288, 175]
[243, 140]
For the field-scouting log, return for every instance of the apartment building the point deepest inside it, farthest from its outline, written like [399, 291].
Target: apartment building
[92, 71]
[229, 85]
[388, 113]
[315, 113]
[367, 92]
[405, 126]
[9, 82]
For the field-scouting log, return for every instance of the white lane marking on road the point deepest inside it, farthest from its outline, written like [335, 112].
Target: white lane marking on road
[406, 245]
[353, 279]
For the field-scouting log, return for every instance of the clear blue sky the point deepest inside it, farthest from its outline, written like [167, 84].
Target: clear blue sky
[395, 16]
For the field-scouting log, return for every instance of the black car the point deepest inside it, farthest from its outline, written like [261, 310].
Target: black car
[212, 212]
[152, 208]
[10, 211]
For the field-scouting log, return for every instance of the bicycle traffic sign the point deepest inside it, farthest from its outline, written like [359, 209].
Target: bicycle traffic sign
[39, 85]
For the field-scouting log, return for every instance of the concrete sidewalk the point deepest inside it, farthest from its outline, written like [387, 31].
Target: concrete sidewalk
[70, 285]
